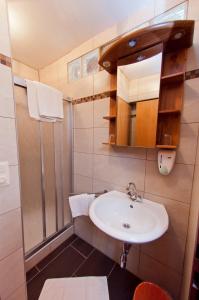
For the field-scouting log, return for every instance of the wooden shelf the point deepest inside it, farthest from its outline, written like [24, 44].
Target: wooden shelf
[166, 146]
[109, 118]
[176, 77]
[106, 143]
[166, 115]
[169, 111]
[156, 34]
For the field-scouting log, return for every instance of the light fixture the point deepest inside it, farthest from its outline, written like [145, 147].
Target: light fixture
[106, 64]
[140, 57]
[178, 35]
[132, 43]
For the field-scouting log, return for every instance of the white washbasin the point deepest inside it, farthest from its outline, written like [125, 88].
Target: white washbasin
[132, 222]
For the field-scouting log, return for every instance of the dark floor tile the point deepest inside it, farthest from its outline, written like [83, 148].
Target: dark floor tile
[63, 266]
[56, 252]
[82, 246]
[122, 284]
[34, 287]
[96, 265]
[30, 274]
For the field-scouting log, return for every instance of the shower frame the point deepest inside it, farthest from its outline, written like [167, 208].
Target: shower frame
[60, 226]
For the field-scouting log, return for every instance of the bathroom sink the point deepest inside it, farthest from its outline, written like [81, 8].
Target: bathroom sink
[129, 221]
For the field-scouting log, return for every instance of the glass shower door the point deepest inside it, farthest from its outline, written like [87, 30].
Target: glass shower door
[45, 173]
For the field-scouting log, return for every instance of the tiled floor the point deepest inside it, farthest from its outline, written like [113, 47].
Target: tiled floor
[75, 257]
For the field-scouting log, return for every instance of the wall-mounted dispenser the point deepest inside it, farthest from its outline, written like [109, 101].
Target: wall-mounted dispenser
[166, 160]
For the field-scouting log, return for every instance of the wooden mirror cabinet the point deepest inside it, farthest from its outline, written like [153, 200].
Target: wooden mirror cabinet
[156, 118]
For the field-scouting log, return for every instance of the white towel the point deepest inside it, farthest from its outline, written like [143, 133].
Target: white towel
[32, 99]
[50, 101]
[44, 103]
[79, 204]
[79, 288]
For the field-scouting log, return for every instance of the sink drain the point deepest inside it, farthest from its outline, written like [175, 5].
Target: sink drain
[126, 225]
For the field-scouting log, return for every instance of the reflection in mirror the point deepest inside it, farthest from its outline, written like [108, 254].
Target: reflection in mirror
[138, 86]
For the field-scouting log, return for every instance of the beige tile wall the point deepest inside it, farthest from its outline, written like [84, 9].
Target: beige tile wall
[12, 279]
[24, 71]
[98, 167]
[190, 115]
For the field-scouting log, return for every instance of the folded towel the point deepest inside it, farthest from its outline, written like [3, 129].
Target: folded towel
[80, 204]
[44, 103]
[32, 99]
[50, 101]
[79, 288]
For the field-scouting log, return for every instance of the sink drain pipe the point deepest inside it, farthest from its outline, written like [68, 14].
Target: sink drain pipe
[125, 252]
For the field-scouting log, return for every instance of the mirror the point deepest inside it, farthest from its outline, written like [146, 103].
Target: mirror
[138, 86]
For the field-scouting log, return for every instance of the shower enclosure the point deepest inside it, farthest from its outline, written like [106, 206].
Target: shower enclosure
[45, 172]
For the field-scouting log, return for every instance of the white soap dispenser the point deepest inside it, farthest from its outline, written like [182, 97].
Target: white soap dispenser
[166, 160]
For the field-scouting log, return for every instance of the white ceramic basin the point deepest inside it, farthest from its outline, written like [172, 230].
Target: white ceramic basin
[128, 221]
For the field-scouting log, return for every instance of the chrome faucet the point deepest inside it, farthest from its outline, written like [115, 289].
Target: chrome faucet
[133, 193]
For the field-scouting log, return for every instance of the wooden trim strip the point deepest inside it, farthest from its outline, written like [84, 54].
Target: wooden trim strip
[192, 74]
[94, 97]
[5, 60]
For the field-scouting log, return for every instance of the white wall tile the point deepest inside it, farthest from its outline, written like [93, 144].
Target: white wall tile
[186, 153]
[191, 101]
[102, 82]
[83, 164]
[191, 236]
[197, 156]
[168, 250]
[177, 185]
[193, 10]
[8, 146]
[101, 135]
[119, 170]
[24, 71]
[101, 109]
[100, 186]
[151, 270]
[82, 184]
[6, 92]
[193, 52]
[83, 140]
[12, 276]
[178, 213]
[10, 195]
[152, 154]
[83, 115]
[84, 228]
[80, 88]
[4, 32]
[19, 293]
[133, 260]
[10, 232]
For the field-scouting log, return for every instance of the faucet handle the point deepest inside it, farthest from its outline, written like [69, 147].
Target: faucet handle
[131, 184]
[128, 186]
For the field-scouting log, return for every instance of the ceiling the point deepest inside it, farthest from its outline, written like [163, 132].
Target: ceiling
[44, 30]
